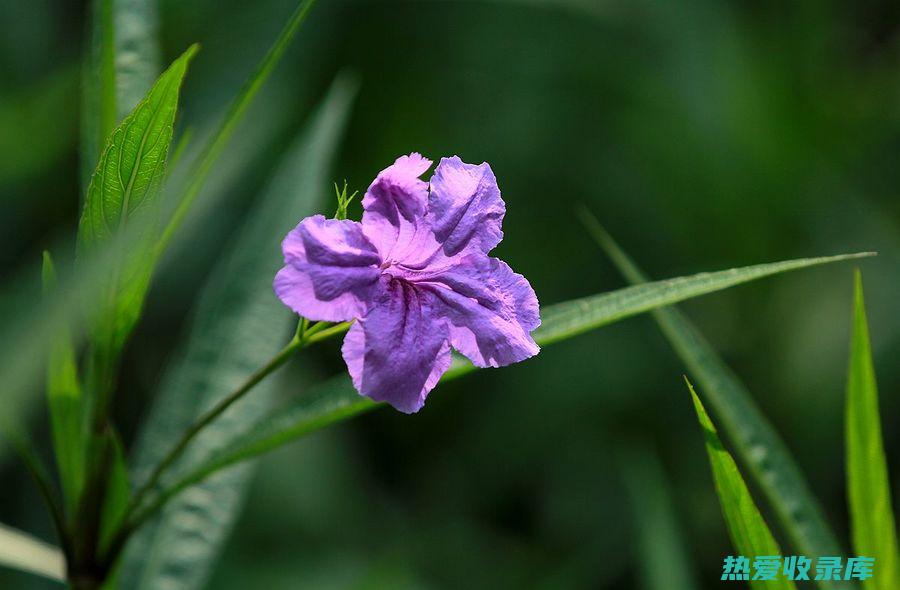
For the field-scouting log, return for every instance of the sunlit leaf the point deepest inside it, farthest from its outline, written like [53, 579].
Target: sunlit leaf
[23, 552]
[65, 405]
[238, 325]
[749, 532]
[874, 530]
[759, 447]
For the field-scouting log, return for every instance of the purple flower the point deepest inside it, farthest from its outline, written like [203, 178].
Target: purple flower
[416, 275]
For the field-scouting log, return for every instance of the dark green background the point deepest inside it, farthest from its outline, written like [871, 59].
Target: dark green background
[703, 134]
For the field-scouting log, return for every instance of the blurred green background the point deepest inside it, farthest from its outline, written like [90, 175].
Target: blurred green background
[703, 134]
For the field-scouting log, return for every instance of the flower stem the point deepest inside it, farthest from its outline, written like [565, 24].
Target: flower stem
[279, 359]
[305, 336]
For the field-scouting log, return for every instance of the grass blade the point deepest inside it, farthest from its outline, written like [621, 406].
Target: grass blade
[121, 63]
[664, 561]
[757, 444]
[65, 405]
[235, 329]
[23, 552]
[874, 530]
[336, 399]
[749, 532]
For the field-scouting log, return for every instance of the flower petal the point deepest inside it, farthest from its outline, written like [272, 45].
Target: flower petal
[331, 270]
[491, 311]
[465, 208]
[395, 203]
[398, 352]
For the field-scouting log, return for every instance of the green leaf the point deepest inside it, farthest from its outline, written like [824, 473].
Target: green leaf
[124, 193]
[748, 530]
[121, 64]
[872, 522]
[65, 404]
[756, 442]
[664, 563]
[23, 552]
[337, 400]
[236, 327]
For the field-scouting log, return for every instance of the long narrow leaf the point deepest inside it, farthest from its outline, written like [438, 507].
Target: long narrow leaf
[336, 399]
[23, 552]
[65, 405]
[872, 522]
[748, 530]
[758, 445]
[236, 328]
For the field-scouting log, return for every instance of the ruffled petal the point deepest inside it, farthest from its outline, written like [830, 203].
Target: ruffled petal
[398, 352]
[395, 203]
[491, 311]
[331, 270]
[465, 210]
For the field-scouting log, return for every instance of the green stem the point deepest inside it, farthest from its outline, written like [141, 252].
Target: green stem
[134, 518]
[213, 413]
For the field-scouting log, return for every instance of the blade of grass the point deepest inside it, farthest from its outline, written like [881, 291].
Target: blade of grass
[337, 400]
[749, 532]
[23, 552]
[756, 442]
[872, 524]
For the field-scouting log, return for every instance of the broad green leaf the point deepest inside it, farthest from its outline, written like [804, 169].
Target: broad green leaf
[664, 563]
[872, 522]
[749, 532]
[237, 326]
[233, 116]
[336, 399]
[757, 444]
[23, 552]
[121, 63]
[123, 193]
[65, 405]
